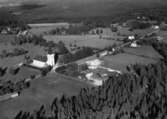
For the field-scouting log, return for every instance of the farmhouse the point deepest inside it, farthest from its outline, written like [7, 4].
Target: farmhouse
[51, 61]
[134, 44]
[131, 37]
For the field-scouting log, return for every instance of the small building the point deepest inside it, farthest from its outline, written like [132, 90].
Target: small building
[134, 44]
[4, 31]
[104, 53]
[38, 64]
[94, 79]
[156, 27]
[94, 64]
[159, 38]
[131, 38]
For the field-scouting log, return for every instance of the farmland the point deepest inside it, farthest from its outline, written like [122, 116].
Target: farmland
[82, 40]
[41, 29]
[143, 51]
[121, 61]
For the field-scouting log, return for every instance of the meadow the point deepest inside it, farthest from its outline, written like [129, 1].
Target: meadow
[122, 60]
[143, 51]
[82, 41]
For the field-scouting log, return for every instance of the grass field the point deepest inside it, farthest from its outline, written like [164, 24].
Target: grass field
[122, 60]
[82, 40]
[143, 51]
[41, 91]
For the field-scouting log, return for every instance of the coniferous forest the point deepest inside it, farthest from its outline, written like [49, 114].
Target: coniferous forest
[139, 94]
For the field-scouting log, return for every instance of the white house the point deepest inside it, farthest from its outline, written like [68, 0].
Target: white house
[131, 38]
[38, 64]
[134, 44]
[156, 27]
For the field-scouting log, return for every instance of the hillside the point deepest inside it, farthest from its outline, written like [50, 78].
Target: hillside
[58, 10]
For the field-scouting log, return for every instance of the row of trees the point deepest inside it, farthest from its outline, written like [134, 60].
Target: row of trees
[7, 19]
[11, 70]
[13, 53]
[39, 40]
[11, 87]
[82, 53]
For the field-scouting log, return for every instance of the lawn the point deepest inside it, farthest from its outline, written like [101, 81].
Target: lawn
[41, 91]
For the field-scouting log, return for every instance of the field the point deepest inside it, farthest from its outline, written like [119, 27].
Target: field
[41, 29]
[122, 60]
[41, 91]
[82, 40]
[125, 31]
[143, 51]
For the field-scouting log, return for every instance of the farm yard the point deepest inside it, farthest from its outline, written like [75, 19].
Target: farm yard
[41, 91]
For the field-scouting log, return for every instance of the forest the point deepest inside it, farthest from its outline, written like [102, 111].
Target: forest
[139, 94]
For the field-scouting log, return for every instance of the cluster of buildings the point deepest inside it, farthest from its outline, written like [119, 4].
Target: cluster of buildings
[94, 72]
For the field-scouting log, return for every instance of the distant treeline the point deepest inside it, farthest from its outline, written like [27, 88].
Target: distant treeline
[7, 19]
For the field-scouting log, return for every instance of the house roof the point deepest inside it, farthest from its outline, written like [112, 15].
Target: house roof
[38, 64]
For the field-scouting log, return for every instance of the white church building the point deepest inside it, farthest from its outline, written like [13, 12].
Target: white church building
[51, 61]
